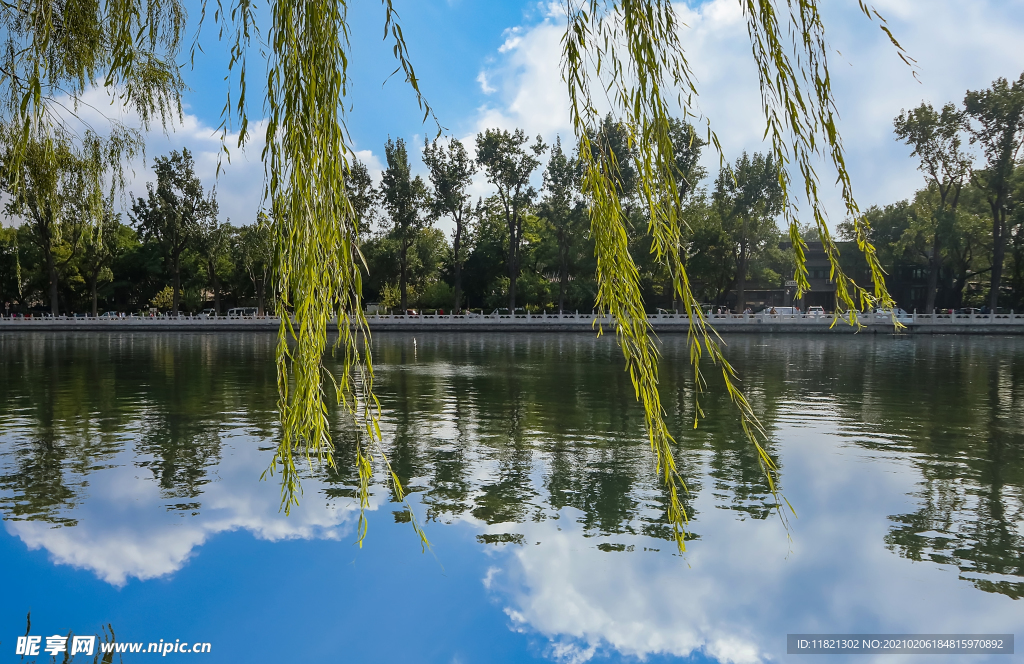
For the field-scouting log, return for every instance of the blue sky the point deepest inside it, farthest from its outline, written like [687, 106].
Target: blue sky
[494, 63]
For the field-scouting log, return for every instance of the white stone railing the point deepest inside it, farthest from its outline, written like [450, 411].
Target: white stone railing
[663, 321]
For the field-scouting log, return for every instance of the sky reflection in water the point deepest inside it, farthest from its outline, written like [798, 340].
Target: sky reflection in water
[129, 469]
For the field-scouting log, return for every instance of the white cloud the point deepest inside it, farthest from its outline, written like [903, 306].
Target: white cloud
[239, 185]
[372, 162]
[743, 585]
[485, 87]
[957, 46]
[528, 82]
[512, 39]
[124, 531]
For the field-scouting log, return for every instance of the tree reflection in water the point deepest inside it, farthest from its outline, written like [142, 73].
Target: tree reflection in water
[514, 429]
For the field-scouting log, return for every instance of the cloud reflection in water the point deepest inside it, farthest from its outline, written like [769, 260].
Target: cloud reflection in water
[124, 530]
[534, 444]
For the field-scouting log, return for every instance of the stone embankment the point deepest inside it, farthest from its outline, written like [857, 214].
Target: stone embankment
[1011, 323]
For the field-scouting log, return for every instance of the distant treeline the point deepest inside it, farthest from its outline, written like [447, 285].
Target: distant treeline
[958, 242]
[520, 247]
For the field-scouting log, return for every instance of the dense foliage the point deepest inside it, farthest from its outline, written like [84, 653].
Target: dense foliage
[959, 240]
[174, 253]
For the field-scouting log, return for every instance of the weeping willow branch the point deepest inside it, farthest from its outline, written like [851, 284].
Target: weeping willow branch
[630, 52]
[52, 52]
[317, 233]
[801, 120]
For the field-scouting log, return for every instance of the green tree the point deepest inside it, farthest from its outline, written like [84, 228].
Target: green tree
[1016, 231]
[254, 250]
[935, 139]
[10, 268]
[562, 208]
[749, 196]
[451, 172]
[710, 262]
[508, 164]
[138, 272]
[49, 187]
[889, 226]
[213, 241]
[614, 141]
[686, 149]
[174, 212]
[429, 253]
[969, 245]
[100, 246]
[164, 300]
[485, 264]
[361, 193]
[889, 231]
[998, 127]
[406, 200]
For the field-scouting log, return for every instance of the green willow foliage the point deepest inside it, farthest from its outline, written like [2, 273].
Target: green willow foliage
[52, 53]
[629, 53]
[623, 53]
[56, 50]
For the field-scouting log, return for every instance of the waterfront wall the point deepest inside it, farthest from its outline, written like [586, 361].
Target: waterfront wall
[662, 323]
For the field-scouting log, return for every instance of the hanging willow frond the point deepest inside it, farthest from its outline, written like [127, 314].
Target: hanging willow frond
[316, 230]
[630, 53]
[52, 52]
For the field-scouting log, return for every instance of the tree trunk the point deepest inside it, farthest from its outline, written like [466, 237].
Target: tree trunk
[95, 310]
[513, 264]
[1017, 279]
[403, 274]
[458, 269]
[513, 275]
[741, 269]
[563, 272]
[933, 274]
[959, 283]
[52, 269]
[741, 280]
[998, 254]
[216, 288]
[177, 286]
[563, 283]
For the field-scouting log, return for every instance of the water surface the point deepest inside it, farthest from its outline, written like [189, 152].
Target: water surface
[130, 492]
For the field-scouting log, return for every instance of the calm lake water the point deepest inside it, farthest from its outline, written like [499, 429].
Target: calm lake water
[130, 490]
